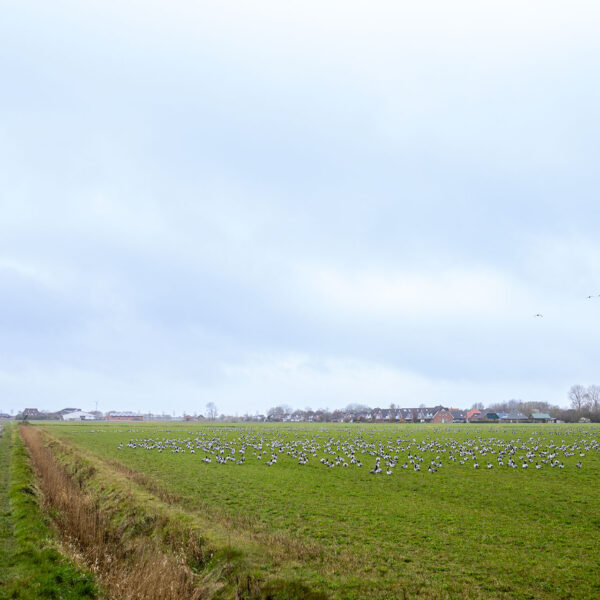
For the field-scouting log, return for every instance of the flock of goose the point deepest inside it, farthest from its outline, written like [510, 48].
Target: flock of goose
[380, 456]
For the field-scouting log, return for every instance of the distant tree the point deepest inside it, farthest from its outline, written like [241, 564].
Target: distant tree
[527, 408]
[578, 397]
[568, 415]
[211, 411]
[278, 412]
[514, 405]
[478, 405]
[354, 407]
[511, 405]
[556, 412]
[593, 393]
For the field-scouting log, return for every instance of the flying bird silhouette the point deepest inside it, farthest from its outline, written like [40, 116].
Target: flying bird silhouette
[538, 315]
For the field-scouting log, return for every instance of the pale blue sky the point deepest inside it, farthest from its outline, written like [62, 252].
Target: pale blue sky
[309, 203]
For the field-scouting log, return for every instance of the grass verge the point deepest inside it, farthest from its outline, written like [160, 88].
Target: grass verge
[31, 567]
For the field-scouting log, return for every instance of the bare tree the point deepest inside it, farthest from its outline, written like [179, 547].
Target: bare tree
[478, 405]
[354, 407]
[578, 397]
[279, 412]
[593, 393]
[211, 411]
[514, 404]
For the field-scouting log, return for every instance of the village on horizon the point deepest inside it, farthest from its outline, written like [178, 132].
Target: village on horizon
[357, 414]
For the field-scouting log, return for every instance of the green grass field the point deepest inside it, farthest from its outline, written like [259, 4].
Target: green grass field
[458, 532]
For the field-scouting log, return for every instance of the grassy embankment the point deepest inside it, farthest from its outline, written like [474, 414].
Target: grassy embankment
[461, 532]
[31, 567]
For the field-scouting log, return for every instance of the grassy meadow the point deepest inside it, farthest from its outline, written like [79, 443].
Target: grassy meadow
[455, 531]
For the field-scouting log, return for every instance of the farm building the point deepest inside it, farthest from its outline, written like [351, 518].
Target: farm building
[513, 417]
[64, 411]
[124, 416]
[78, 415]
[542, 418]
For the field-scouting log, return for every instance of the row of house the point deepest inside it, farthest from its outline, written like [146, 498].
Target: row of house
[437, 414]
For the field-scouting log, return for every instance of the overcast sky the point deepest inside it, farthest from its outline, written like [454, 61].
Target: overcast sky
[307, 203]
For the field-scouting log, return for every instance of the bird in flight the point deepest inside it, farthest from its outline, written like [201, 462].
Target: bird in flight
[538, 315]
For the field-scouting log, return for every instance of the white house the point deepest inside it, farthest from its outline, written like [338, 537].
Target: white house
[79, 415]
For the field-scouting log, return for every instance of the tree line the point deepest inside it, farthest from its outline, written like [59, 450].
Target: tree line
[583, 402]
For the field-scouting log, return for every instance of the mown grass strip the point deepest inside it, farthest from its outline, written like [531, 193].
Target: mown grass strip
[31, 567]
[7, 538]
